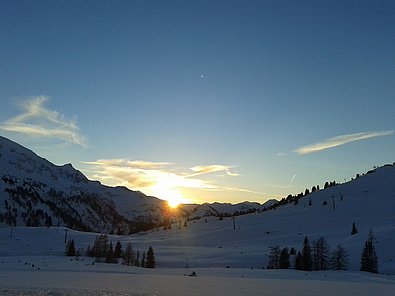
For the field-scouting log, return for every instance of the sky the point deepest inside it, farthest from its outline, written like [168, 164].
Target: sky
[202, 101]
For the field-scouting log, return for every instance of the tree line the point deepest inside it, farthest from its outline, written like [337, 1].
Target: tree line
[103, 251]
[317, 256]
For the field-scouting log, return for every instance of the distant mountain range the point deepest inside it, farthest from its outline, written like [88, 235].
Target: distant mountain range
[35, 192]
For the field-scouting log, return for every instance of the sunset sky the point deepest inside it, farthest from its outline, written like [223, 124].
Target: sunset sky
[198, 101]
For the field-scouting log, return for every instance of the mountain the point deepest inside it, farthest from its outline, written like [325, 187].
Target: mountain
[35, 192]
[244, 241]
[226, 209]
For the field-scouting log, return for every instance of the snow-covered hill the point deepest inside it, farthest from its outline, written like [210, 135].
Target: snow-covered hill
[244, 241]
[212, 242]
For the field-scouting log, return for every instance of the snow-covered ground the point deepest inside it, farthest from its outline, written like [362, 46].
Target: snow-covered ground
[57, 275]
[227, 260]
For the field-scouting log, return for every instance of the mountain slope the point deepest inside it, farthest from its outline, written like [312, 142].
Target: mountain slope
[367, 201]
[214, 243]
[35, 192]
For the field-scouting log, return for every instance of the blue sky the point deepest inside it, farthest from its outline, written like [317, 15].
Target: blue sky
[202, 100]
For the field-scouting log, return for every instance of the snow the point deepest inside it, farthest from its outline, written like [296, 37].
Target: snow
[36, 256]
[77, 278]
[29, 171]
[227, 261]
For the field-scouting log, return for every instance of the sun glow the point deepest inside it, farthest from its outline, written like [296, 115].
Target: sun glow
[169, 193]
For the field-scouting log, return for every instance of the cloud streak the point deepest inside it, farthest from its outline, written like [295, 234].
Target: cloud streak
[142, 175]
[206, 169]
[340, 140]
[156, 178]
[37, 121]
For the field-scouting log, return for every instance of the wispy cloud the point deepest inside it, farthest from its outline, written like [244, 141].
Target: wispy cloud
[143, 175]
[156, 178]
[205, 169]
[38, 121]
[229, 173]
[340, 140]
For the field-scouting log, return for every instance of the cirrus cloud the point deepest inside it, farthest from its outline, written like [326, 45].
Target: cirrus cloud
[205, 169]
[38, 121]
[340, 140]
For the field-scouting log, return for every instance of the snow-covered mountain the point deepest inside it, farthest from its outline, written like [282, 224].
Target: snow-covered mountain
[35, 192]
[226, 209]
[244, 241]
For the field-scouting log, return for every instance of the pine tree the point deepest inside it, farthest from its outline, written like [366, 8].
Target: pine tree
[110, 254]
[70, 248]
[339, 258]
[143, 260]
[274, 257]
[118, 250]
[292, 251]
[306, 255]
[150, 263]
[298, 262]
[100, 246]
[321, 254]
[137, 261]
[369, 260]
[128, 255]
[284, 259]
[354, 229]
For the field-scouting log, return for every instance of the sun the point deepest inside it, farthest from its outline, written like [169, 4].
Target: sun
[169, 193]
[174, 202]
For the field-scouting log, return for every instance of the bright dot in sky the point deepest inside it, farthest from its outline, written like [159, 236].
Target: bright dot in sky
[201, 76]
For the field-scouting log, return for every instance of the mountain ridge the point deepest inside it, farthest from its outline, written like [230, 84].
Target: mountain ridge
[36, 192]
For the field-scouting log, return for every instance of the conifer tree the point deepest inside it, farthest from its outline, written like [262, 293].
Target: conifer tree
[298, 262]
[128, 255]
[70, 248]
[369, 260]
[339, 258]
[137, 261]
[100, 247]
[274, 257]
[306, 255]
[118, 250]
[321, 254]
[292, 251]
[150, 263]
[110, 254]
[284, 259]
[143, 260]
